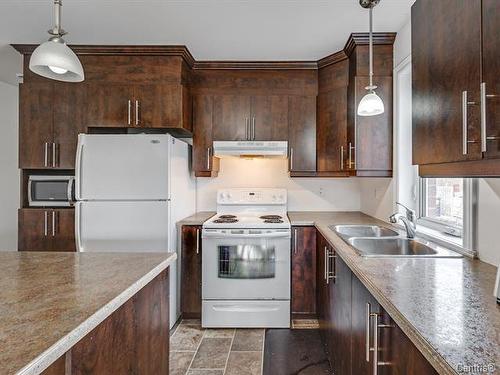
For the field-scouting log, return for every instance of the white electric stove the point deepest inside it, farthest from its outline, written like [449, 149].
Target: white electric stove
[246, 260]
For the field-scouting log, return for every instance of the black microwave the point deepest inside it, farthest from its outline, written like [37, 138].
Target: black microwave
[50, 191]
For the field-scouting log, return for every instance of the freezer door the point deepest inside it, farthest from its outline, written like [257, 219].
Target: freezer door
[122, 226]
[122, 167]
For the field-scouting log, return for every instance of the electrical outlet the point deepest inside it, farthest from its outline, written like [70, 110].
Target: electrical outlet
[321, 191]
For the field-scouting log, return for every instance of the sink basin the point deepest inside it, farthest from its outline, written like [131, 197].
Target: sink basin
[354, 230]
[399, 247]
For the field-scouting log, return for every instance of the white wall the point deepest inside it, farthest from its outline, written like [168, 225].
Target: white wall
[10, 64]
[305, 194]
[488, 219]
[9, 186]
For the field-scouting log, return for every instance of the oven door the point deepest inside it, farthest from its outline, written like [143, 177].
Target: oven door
[242, 264]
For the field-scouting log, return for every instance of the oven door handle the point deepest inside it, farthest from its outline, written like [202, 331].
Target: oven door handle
[246, 235]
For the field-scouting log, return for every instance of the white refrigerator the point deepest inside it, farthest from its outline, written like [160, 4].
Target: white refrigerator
[130, 191]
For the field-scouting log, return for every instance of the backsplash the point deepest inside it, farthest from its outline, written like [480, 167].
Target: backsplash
[304, 194]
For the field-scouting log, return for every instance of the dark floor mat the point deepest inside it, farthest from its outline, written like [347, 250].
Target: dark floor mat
[294, 352]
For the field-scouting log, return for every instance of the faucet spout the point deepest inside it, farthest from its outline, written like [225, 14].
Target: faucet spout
[409, 220]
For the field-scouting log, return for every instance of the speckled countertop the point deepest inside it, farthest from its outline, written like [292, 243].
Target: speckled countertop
[197, 219]
[49, 301]
[445, 306]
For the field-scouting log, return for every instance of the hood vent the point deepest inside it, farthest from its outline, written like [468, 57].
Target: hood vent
[278, 149]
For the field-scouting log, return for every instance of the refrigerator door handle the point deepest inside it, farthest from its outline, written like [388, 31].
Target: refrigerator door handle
[78, 227]
[78, 171]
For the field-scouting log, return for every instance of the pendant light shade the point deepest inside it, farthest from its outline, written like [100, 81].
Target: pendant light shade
[54, 59]
[371, 104]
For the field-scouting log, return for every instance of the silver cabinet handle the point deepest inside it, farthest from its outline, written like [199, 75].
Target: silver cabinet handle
[253, 128]
[208, 158]
[375, 343]
[246, 129]
[332, 257]
[46, 218]
[291, 158]
[137, 116]
[197, 241]
[341, 158]
[326, 263]
[367, 332]
[46, 158]
[483, 116]
[351, 163]
[295, 241]
[129, 113]
[54, 153]
[465, 125]
[53, 223]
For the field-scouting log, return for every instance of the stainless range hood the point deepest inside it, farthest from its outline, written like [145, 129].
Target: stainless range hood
[278, 149]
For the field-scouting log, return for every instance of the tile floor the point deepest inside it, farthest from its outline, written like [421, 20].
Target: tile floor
[198, 351]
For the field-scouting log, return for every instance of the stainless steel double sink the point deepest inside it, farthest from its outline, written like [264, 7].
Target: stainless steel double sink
[378, 242]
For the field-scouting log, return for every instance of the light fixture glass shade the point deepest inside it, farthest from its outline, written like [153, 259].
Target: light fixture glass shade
[55, 60]
[370, 105]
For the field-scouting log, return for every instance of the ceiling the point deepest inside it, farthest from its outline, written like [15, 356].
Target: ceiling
[211, 29]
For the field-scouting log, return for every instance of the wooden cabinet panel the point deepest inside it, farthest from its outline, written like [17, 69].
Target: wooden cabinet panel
[371, 137]
[231, 121]
[446, 50]
[491, 76]
[322, 290]
[70, 119]
[191, 271]
[35, 125]
[332, 130]
[302, 133]
[304, 271]
[110, 105]
[204, 164]
[270, 116]
[46, 229]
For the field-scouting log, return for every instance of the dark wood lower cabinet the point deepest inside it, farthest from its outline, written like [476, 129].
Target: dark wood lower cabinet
[303, 271]
[46, 229]
[132, 340]
[191, 271]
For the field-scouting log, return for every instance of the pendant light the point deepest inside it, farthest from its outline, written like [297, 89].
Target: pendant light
[371, 104]
[54, 59]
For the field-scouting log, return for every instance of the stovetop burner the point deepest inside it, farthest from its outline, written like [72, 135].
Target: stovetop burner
[227, 217]
[272, 217]
[273, 221]
[225, 220]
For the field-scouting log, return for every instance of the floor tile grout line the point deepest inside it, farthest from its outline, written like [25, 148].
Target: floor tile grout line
[197, 348]
[229, 352]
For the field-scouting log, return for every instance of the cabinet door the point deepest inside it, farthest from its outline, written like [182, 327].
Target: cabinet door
[231, 118]
[446, 50]
[191, 271]
[304, 271]
[322, 295]
[302, 133]
[359, 334]
[34, 230]
[110, 105]
[63, 232]
[332, 130]
[491, 76]
[70, 119]
[269, 118]
[35, 125]
[204, 164]
[157, 106]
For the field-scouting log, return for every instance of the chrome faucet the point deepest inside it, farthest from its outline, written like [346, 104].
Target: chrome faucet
[409, 220]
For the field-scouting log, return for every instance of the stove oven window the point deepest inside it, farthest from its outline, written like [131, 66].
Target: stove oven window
[246, 262]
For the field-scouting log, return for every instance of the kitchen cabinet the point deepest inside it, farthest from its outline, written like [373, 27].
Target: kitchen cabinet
[269, 117]
[303, 272]
[110, 105]
[45, 229]
[302, 134]
[191, 249]
[204, 163]
[51, 116]
[456, 127]
[232, 120]
[322, 290]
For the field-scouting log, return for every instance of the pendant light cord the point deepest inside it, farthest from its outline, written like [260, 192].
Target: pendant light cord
[371, 49]
[57, 31]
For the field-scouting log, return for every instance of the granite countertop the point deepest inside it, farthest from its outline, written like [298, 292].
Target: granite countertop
[50, 300]
[445, 306]
[197, 219]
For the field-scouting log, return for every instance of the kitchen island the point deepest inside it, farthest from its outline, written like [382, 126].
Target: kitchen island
[78, 313]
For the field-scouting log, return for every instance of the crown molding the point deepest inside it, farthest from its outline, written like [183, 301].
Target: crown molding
[358, 39]
[252, 65]
[332, 59]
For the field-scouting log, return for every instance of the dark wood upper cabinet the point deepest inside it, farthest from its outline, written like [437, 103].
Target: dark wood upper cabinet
[303, 271]
[204, 163]
[269, 116]
[302, 134]
[231, 117]
[191, 248]
[456, 124]
[35, 125]
[46, 229]
[110, 105]
[491, 76]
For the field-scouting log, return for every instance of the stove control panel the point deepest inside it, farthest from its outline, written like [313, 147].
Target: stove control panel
[252, 196]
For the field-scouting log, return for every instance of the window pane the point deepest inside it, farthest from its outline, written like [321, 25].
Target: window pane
[445, 200]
